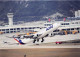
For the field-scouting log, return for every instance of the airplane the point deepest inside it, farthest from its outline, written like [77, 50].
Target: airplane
[39, 35]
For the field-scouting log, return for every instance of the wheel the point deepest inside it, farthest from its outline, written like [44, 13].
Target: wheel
[34, 41]
[42, 40]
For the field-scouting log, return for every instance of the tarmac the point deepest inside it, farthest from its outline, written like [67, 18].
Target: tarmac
[10, 48]
[41, 52]
[10, 43]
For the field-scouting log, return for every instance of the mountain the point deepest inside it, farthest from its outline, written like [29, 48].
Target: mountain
[37, 10]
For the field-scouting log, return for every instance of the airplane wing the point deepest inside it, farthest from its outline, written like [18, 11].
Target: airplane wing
[32, 36]
[28, 36]
[13, 37]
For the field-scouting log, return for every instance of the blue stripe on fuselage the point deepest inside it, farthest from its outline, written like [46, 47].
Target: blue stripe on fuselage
[20, 41]
[49, 27]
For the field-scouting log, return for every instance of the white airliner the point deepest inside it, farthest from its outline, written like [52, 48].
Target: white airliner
[39, 35]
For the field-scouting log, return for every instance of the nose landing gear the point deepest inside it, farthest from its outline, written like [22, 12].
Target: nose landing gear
[42, 40]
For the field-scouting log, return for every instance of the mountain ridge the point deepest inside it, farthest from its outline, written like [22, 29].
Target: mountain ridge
[36, 10]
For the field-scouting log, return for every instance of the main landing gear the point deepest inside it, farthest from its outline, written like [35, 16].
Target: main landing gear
[42, 40]
[34, 41]
[38, 40]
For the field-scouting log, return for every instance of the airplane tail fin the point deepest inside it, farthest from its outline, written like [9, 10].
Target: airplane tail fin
[19, 41]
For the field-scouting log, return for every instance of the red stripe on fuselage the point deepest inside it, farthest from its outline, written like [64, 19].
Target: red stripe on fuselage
[17, 41]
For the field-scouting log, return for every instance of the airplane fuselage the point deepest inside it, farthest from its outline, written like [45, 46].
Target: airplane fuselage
[47, 30]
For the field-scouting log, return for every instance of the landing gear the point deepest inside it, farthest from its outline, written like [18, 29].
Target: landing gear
[34, 41]
[38, 40]
[42, 40]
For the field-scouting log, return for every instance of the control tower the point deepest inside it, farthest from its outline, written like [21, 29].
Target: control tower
[77, 13]
[10, 19]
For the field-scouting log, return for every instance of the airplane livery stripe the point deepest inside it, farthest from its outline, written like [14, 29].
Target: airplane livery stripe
[49, 27]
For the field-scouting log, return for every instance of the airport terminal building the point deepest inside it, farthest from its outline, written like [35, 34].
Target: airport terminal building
[66, 25]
